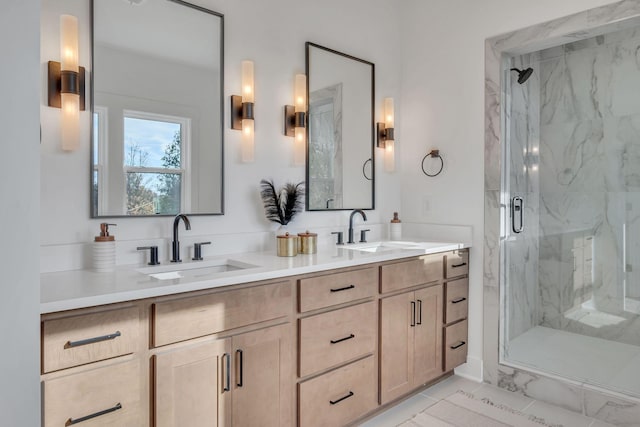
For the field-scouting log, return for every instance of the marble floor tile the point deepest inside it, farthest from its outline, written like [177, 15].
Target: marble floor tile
[556, 415]
[450, 386]
[514, 400]
[401, 412]
[461, 417]
[480, 405]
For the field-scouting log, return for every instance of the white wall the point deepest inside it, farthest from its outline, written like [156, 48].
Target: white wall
[272, 34]
[20, 283]
[443, 107]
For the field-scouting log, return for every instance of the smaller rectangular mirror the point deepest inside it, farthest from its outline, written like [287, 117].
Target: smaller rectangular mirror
[340, 148]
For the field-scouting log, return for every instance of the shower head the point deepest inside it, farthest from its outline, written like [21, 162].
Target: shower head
[523, 75]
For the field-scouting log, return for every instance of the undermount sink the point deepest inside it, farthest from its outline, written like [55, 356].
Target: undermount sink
[383, 246]
[194, 269]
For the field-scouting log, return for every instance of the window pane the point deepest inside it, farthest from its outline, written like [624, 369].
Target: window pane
[151, 143]
[94, 189]
[153, 193]
[96, 133]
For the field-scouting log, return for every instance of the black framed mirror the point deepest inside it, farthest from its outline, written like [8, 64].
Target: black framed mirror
[340, 169]
[157, 109]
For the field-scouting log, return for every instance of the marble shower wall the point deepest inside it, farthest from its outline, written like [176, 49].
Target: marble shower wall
[521, 250]
[582, 398]
[588, 180]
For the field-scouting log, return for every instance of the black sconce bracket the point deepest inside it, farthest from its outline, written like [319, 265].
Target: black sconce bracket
[64, 82]
[383, 134]
[293, 119]
[239, 111]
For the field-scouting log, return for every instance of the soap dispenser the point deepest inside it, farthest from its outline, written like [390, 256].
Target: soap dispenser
[395, 228]
[104, 250]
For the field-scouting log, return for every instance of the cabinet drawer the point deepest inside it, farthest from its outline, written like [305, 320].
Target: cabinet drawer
[455, 349]
[337, 336]
[340, 396]
[457, 263]
[108, 396]
[192, 317]
[77, 340]
[331, 289]
[415, 272]
[456, 297]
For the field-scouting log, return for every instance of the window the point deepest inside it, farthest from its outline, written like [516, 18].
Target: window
[99, 159]
[155, 148]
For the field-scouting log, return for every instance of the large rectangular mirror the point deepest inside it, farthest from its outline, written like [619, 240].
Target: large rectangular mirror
[157, 92]
[340, 148]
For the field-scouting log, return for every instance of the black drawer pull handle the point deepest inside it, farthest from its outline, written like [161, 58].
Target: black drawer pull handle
[226, 376]
[346, 288]
[71, 344]
[343, 339]
[456, 301]
[333, 402]
[458, 345]
[413, 313]
[240, 368]
[458, 265]
[71, 421]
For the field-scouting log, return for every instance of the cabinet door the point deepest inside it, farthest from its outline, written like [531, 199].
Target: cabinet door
[396, 346]
[263, 377]
[192, 385]
[427, 362]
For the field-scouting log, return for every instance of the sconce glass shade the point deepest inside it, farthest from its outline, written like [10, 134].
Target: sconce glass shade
[299, 146]
[247, 140]
[70, 122]
[389, 156]
[389, 115]
[69, 102]
[247, 82]
[300, 93]
[68, 43]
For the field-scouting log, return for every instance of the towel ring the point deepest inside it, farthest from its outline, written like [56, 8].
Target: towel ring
[364, 166]
[433, 153]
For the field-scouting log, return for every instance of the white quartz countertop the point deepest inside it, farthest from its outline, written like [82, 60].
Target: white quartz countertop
[74, 289]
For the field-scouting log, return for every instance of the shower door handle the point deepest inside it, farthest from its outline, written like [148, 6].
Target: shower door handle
[517, 214]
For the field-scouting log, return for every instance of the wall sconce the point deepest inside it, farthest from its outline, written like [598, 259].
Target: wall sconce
[66, 83]
[242, 112]
[385, 137]
[295, 119]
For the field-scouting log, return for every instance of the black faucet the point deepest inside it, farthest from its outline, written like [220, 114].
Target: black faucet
[175, 246]
[364, 217]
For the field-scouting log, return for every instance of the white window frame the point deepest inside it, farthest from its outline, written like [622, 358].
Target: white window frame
[185, 158]
[102, 164]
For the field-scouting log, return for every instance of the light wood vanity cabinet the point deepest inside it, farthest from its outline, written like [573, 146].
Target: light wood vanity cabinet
[337, 354]
[242, 381]
[456, 308]
[244, 356]
[410, 341]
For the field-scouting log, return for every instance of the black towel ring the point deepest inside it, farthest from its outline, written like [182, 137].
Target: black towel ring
[433, 153]
[364, 166]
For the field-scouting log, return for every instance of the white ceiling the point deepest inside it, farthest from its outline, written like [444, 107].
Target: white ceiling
[159, 28]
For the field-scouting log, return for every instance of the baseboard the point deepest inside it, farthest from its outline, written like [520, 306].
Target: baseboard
[472, 370]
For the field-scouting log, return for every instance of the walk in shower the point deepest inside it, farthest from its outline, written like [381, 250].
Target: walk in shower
[570, 221]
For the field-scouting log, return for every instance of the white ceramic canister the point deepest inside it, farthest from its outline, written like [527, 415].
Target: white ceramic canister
[395, 228]
[104, 250]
